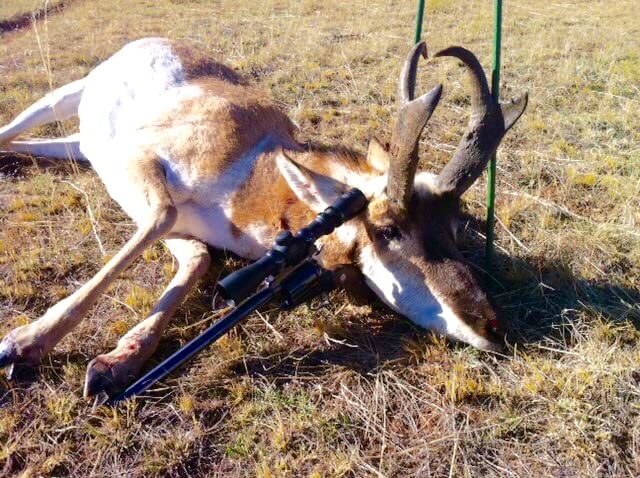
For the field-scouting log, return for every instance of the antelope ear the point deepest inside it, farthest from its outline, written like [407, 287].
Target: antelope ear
[378, 157]
[512, 110]
[316, 190]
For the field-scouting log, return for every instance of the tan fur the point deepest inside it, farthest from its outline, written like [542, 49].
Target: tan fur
[208, 133]
[379, 211]
[266, 198]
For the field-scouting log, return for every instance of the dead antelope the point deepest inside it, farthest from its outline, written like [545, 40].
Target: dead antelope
[196, 156]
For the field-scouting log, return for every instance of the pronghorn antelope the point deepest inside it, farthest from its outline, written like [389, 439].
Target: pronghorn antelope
[196, 156]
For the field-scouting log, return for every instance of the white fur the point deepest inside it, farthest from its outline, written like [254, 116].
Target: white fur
[459, 330]
[319, 191]
[59, 148]
[204, 209]
[315, 190]
[370, 185]
[119, 91]
[425, 183]
[409, 295]
[404, 292]
[347, 234]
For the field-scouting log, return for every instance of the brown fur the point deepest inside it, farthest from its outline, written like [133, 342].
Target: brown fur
[282, 206]
[447, 269]
[430, 247]
[209, 133]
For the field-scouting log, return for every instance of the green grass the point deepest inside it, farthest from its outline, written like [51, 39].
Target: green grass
[340, 390]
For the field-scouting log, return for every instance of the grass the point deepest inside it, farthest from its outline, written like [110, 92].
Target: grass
[334, 389]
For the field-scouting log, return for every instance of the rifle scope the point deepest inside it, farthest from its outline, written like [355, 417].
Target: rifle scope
[289, 249]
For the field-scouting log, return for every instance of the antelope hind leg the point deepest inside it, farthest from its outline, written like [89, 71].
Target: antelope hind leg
[31, 342]
[109, 373]
[58, 105]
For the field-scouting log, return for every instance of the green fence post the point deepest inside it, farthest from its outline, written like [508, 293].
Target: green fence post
[495, 92]
[419, 16]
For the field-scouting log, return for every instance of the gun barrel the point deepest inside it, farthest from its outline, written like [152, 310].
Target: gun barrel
[185, 353]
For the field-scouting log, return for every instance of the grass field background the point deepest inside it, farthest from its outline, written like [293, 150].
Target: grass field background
[333, 389]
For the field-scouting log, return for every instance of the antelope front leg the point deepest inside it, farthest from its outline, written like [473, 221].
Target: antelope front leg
[30, 342]
[111, 372]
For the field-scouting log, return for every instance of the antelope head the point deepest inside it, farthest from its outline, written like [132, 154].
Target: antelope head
[405, 242]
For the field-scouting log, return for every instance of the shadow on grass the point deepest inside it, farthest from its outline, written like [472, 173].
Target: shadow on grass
[14, 165]
[538, 297]
[360, 346]
[24, 20]
[538, 300]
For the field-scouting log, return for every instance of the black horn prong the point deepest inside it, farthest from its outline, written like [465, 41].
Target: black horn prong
[411, 119]
[512, 110]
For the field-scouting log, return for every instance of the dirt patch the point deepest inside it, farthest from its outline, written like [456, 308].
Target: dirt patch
[24, 20]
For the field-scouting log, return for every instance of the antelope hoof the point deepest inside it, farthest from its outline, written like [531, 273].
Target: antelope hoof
[109, 374]
[8, 354]
[12, 351]
[103, 377]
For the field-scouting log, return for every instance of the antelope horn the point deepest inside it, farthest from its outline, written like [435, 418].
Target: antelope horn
[407, 81]
[411, 119]
[488, 123]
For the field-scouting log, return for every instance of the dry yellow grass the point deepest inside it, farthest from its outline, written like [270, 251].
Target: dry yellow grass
[344, 391]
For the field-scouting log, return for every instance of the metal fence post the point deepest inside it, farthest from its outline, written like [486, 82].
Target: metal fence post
[419, 16]
[495, 92]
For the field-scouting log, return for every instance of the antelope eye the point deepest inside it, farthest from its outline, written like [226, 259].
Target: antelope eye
[389, 233]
